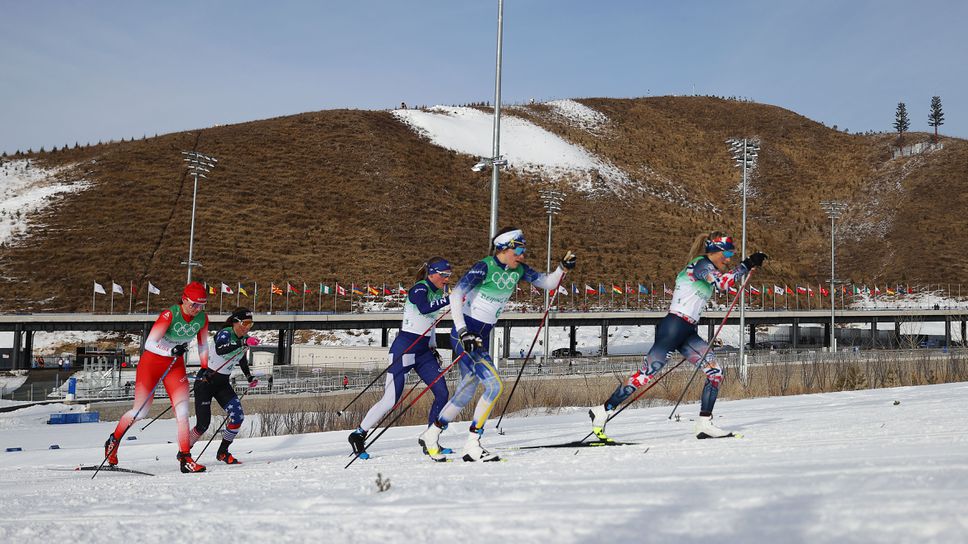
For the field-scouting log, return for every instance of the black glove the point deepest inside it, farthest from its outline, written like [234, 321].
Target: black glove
[568, 261]
[179, 350]
[755, 260]
[203, 375]
[468, 340]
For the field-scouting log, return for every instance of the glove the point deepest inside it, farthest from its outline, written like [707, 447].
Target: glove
[203, 375]
[440, 360]
[755, 260]
[568, 261]
[253, 382]
[252, 341]
[468, 340]
[179, 350]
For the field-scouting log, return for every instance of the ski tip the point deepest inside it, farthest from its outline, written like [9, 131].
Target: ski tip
[340, 413]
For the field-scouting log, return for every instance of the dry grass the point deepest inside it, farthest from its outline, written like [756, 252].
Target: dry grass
[550, 395]
[356, 196]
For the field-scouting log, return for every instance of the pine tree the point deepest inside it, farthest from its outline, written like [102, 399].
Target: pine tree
[901, 122]
[936, 117]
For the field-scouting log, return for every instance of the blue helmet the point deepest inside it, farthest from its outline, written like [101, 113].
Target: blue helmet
[513, 239]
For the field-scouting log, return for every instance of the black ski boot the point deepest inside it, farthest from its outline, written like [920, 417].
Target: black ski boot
[224, 456]
[357, 440]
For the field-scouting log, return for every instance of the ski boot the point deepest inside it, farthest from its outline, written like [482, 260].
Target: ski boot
[111, 450]
[357, 440]
[599, 416]
[473, 450]
[705, 429]
[188, 465]
[224, 456]
[429, 445]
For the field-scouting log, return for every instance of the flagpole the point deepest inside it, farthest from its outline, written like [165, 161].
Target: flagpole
[320, 309]
[304, 297]
[270, 296]
[220, 291]
[335, 294]
[112, 296]
[287, 296]
[255, 295]
[238, 295]
[93, 298]
[130, 296]
[148, 300]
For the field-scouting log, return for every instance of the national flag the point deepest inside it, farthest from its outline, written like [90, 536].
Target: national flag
[243, 292]
[643, 290]
[291, 289]
[877, 290]
[890, 291]
[562, 291]
[355, 290]
[629, 288]
[824, 291]
[535, 289]
[788, 290]
[325, 290]
[801, 290]
[754, 290]
[306, 289]
[98, 288]
[116, 288]
[574, 289]
[810, 291]
[372, 290]
[386, 291]
[777, 290]
[601, 288]
[340, 290]
[401, 290]
[589, 290]
[666, 290]
[211, 289]
[856, 290]
[732, 290]
[153, 290]
[227, 290]
[616, 289]
[276, 290]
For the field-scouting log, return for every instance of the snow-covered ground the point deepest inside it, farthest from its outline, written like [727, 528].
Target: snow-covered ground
[887, 465]
[526, 146]
[25, 189]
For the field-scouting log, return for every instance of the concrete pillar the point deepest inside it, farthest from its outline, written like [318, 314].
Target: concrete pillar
[384, 337]
[572, 339]
[710, 330]
[897, 335]
[29, 346]
[947, 332]
[506, 348]
[281, 348]
[604, 341]
[826, 335]
[752, 335]
[795, 333]
[16, 362]
[145, 327]
[290, 340]
[873, 333]
[964, 329]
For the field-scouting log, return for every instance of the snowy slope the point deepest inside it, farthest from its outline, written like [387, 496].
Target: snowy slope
[26, 189]
[840, 467]
[526, 146]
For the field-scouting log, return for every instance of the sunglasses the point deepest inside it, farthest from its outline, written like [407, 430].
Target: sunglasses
[246, 323]
[728, 254]
[445, 273]
[196, 305]
[520, 250]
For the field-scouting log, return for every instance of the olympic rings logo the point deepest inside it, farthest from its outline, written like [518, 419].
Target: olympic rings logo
[182, 330]
[504, 280]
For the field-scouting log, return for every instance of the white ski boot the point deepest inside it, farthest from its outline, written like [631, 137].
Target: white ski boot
[473, 450]
[599, 416]
[706, 429]
[428, 442]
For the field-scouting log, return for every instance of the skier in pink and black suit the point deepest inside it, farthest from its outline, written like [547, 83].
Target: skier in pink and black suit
[168, 339]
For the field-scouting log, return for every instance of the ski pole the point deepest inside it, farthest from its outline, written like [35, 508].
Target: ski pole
[224, 420]
[387, 369]
[709, 346]
[528, 357]
[414, 401]
[169, 406]
[151, 395]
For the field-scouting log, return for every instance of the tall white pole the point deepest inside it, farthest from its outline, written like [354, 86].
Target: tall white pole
[496, 147]
[547, 297]
[742, 294]
[191, 235]
[833, 316]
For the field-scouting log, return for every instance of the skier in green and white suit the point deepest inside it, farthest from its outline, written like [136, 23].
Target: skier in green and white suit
[476, 304]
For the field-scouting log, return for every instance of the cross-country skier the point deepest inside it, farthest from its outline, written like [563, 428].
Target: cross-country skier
[212, 381]
[165, 348]
[414, 348]
[706, 272]
[476, 303]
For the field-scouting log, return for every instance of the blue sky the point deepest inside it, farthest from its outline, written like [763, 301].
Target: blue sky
[89, 71]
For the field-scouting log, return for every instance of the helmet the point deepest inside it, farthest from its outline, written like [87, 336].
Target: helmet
[195, 292]
[513, 239]
[720, 243]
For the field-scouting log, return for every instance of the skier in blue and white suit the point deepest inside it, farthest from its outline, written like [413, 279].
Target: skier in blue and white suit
[476, 303]
[414, 348]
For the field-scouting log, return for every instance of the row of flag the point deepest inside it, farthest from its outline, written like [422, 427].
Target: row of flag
[600, 289]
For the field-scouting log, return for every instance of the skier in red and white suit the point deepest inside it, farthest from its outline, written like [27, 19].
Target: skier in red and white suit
[165, 350]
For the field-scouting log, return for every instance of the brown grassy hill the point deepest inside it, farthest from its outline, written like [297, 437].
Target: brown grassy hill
[326, 196]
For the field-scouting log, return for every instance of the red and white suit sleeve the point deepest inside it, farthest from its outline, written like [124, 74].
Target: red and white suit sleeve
[203, 344]
[154, 341]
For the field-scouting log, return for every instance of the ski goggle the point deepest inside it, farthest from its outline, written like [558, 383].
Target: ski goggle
[444, 273]
[728, 254]
[195, 305]
[520, 250]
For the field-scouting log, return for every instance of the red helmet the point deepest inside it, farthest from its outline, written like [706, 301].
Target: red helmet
[195, 292]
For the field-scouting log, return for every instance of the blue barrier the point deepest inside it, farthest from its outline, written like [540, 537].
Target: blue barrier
[54, 447]
[74, 417]
[15, 449]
